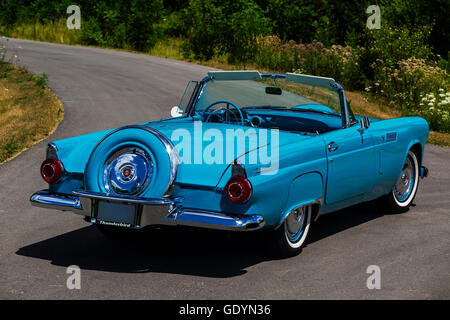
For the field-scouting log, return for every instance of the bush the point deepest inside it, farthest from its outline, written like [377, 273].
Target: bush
[129, 24]
[394, 44]
[206, 27]
[91, 33]
[142, 15]
[415, 87]
[338, 62]
[245, 25]
[218, 27]
[414, 14]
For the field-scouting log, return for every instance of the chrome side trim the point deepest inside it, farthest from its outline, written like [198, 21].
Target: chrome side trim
[391, 136]
[215, 220]
[316, 213]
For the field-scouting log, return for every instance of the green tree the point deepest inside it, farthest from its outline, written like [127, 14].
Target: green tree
[225, 27]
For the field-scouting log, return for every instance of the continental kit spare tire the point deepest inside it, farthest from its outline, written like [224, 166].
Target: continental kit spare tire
[132, 161]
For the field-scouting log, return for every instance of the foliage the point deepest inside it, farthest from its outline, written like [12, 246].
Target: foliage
[218, 27]
[338, 62]
[413, 14]
[415, 87]
[122, 24]
[394, 44]
[405, 62]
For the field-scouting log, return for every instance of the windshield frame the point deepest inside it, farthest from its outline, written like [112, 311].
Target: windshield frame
[345, 114]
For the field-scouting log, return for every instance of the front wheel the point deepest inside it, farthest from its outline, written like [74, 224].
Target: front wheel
[405, 189]
[291, 236]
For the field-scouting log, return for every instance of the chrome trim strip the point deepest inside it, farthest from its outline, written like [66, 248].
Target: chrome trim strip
[391, 136]
[317, 201]
[119, 198]
[52, 151]
[344, 107]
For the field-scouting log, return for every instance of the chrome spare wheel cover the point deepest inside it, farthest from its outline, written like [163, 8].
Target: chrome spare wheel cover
[128, 171]
[295, 223]
[405, 184]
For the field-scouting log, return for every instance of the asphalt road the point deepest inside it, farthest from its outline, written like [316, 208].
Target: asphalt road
[103, 89]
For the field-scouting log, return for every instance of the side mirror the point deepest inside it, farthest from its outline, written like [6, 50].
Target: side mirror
[364, 122]
[176, 111]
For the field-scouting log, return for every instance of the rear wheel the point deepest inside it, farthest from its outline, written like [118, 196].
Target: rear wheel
[402, 195]
[291, 236]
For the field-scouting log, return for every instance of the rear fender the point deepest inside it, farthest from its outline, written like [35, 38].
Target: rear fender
[305, 189]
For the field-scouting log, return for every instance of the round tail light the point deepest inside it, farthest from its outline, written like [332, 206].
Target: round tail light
[51, 170]
[238, 190]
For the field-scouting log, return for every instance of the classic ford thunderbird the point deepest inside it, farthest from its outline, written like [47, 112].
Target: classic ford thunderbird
[243, 151]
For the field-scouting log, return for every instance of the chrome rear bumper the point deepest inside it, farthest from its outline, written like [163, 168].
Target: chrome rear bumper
[150, 211]
[46, 199]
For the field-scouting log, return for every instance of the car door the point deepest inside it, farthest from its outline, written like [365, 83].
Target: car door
[351, 164]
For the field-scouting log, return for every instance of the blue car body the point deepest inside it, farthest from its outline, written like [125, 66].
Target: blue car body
[335, 169]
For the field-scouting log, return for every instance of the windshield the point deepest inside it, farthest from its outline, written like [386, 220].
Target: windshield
[252, 94]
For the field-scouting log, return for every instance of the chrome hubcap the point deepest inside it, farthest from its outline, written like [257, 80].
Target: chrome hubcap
[295, 223]
[405, 183]
[128, 171]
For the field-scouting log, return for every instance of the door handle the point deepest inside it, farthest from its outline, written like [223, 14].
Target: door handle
[332, 146]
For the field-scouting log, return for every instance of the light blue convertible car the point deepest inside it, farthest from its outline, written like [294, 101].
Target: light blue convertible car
[243, 151]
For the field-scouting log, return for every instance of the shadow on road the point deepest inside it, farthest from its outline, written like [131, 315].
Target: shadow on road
[187, 251]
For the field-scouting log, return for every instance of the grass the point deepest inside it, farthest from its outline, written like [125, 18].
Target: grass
[29, 111]
[56, 32]
[171, 48]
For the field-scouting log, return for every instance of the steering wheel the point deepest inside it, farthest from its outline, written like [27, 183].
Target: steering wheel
[226, 110]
